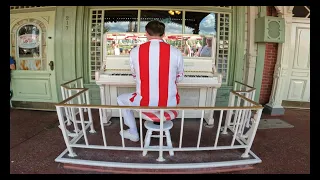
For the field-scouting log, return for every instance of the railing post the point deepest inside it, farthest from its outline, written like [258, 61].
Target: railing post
[71, 101]
[255, 124]
[89, 113]
[244, 118]
[75, 124]
[65, 109]
[64, 133]
[103, 102]
[160, 158]
[210, 122]
[229, 114]
[81, 86]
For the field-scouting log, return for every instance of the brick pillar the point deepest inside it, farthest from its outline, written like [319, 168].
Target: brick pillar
[269, 64]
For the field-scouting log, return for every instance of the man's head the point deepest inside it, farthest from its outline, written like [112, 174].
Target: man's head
[155, 29]
[209, 41]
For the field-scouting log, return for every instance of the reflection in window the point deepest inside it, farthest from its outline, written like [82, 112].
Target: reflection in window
[28, 42]
[122, 43]
[200, 23]
[119, 31]
[173, 21]
[120, 21]
[200, 30]
[28, 46]
[204, 34]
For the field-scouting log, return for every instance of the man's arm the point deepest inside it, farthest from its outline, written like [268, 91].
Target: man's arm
[180, 70]
[133, 72]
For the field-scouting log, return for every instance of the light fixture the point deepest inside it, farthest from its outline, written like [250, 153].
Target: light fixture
[171, 12]
[177, 12]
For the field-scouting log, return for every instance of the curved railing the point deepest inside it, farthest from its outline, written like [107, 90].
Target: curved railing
[240, 120]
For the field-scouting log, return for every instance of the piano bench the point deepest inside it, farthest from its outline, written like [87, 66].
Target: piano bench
[152, 124]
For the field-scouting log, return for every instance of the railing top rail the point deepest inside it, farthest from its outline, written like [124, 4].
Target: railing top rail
[244, 84]
[71, 81]
[73, 96]
[82, 90]
[63, 104]
[241, 91]
[159, 108]
[66, 87]
[243, 97]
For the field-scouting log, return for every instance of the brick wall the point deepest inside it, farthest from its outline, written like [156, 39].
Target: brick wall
[269, 64]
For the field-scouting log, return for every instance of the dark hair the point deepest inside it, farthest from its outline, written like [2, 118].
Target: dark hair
[155, 28]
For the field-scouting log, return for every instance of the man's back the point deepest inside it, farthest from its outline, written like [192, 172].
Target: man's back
[156, 66]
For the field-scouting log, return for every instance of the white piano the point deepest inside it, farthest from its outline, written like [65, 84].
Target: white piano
[198, 88]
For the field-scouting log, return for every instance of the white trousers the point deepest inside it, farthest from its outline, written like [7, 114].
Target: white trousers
[127, 114]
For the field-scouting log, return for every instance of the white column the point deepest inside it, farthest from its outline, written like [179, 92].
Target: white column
[251, 51]
[281, 67]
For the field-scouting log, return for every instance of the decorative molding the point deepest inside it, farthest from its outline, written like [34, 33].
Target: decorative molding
[281, 68]
[251, 54]
[280, 9]
[290, 8]
[12, 20]
[251, 60]
[46, 18]
[283, 10]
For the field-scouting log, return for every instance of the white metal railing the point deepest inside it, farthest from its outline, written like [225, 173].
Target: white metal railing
[248, 92]
[238, 122]
[68, 89]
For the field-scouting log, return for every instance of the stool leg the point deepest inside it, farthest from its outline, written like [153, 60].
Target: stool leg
[147, 141]
[169, 142]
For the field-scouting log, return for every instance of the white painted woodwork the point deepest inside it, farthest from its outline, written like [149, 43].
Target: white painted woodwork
[297, 86]
[35, 85]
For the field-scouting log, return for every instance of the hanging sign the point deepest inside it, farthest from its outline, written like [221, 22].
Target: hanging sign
[28, 41]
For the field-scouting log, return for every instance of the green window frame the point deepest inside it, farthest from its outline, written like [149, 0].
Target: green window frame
[226, 53]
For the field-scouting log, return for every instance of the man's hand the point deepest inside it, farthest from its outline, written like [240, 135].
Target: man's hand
[12, 67]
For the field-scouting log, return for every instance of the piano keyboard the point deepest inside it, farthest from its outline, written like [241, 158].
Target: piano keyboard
[190, 79]
[126, 74]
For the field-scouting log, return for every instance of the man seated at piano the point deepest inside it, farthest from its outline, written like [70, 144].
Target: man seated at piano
[156, 67]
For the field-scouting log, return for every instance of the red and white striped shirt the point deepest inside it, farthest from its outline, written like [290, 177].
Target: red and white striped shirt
[156, 67]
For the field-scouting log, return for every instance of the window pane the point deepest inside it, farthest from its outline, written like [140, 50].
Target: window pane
[34, 64]
[122, 43]
[171, 18]
[28, 42]
[119, 33]
[301, 11]
[120, 21]
[202, 23]
[200, 33]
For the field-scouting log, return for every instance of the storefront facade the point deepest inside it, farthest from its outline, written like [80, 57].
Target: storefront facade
[53, 45]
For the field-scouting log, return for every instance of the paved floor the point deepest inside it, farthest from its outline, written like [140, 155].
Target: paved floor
[35, 141]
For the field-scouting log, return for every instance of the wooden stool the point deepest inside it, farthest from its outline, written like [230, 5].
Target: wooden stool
[152, 124]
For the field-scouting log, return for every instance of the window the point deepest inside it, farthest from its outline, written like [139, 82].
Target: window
[173, 21]
[196, 34]
[119, 35]
[200, 31]
[301, 11]
[28, 45]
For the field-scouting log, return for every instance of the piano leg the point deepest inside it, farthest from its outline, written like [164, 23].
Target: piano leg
[105, 119]
[210, 120]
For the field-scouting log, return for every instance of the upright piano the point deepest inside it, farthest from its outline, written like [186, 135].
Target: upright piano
[198, 88]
